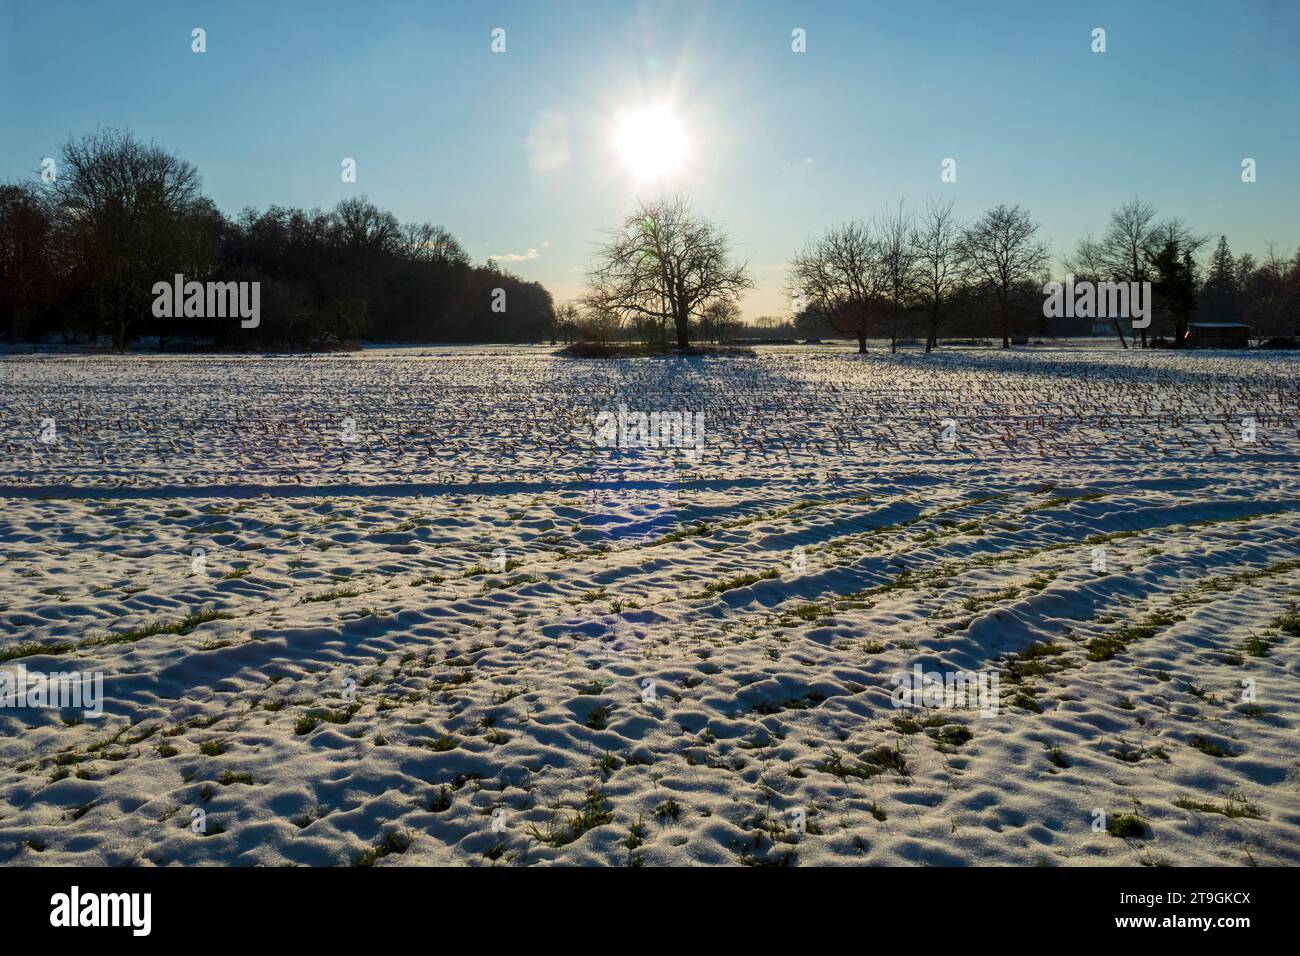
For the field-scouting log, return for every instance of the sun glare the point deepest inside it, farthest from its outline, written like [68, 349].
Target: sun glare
[651, 142]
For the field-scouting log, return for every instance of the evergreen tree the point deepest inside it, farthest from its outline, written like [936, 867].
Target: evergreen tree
[1175, 287]
[1219, 294]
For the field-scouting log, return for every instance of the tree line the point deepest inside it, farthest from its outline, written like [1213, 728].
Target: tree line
[666, 274]
[81, 250]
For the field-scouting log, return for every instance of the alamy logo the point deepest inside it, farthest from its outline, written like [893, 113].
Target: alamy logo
[208, 300]
[624, 429]
[69, 690]
[103, 909]
[971, 689]
[1099, 300]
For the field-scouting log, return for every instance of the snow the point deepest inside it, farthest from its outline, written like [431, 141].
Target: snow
[437, 609]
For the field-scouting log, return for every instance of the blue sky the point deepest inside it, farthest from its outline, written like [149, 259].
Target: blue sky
[513, 151]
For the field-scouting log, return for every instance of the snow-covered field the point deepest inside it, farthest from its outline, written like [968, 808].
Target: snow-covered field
[401, 607]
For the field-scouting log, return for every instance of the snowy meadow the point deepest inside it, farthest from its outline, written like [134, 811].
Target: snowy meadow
[468, 605]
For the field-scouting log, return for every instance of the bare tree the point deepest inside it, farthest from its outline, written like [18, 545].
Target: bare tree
[1134, 237]
[719, 318]
[1124, 248]
[598, 325]
[664, 263]
[939, 267]
[426, 242]
[1268, 302]
[896, 236]
[123, 209]
[842, 275]
[1179, 233]
[566, 321]
[1001, 251]
[1129, 247]
[1089, 262]
[364, 227]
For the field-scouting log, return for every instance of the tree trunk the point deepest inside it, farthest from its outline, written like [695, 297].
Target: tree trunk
[1006, 332]
[862, 344]
[682, 319]
[1119, 330]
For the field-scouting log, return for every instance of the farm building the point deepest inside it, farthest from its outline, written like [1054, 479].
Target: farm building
[1218, 335]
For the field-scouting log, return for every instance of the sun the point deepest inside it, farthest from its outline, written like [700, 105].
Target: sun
[651, 142]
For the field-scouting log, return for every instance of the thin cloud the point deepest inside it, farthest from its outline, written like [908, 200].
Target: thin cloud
[516, 256]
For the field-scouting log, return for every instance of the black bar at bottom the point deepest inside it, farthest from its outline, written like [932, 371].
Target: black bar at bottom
[299, 906]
